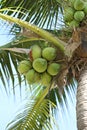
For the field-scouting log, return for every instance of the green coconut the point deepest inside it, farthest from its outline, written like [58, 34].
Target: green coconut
[79, 4]
[53, 69]
[37, 77]
[49, 53]
[24, 66]
[85, 8]
[46, 79]
[79, 16]
[32, 77]
[69, 14]
[40, 64]
[35, 51]
[73, 24]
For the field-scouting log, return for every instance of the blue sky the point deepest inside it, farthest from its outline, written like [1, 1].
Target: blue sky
[65, 116]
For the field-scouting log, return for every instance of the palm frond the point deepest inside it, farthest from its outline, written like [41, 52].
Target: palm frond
[51, 95]
[39, 12]
[35, 115]
[44, 34]
[32, 118]
[8, 68]
[9, 62]
[65, 112]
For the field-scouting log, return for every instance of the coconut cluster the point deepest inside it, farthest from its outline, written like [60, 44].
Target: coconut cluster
[75, 13]
[41, 66]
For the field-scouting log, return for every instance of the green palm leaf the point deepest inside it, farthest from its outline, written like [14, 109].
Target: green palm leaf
[44, 34]
[35, 115]
[8, 63]
[39, 11]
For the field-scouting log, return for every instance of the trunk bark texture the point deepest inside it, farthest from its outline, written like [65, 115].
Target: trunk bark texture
[81, 106]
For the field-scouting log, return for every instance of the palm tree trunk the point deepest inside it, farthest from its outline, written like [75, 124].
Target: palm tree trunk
[81, 106]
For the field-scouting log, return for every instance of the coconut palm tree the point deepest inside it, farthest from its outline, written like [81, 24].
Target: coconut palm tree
[37, 23]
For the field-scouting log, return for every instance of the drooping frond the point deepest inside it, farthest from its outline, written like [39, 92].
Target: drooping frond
[44, 34]
[39, 12]
[65, 113]
[8, 68]
[35, 115]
